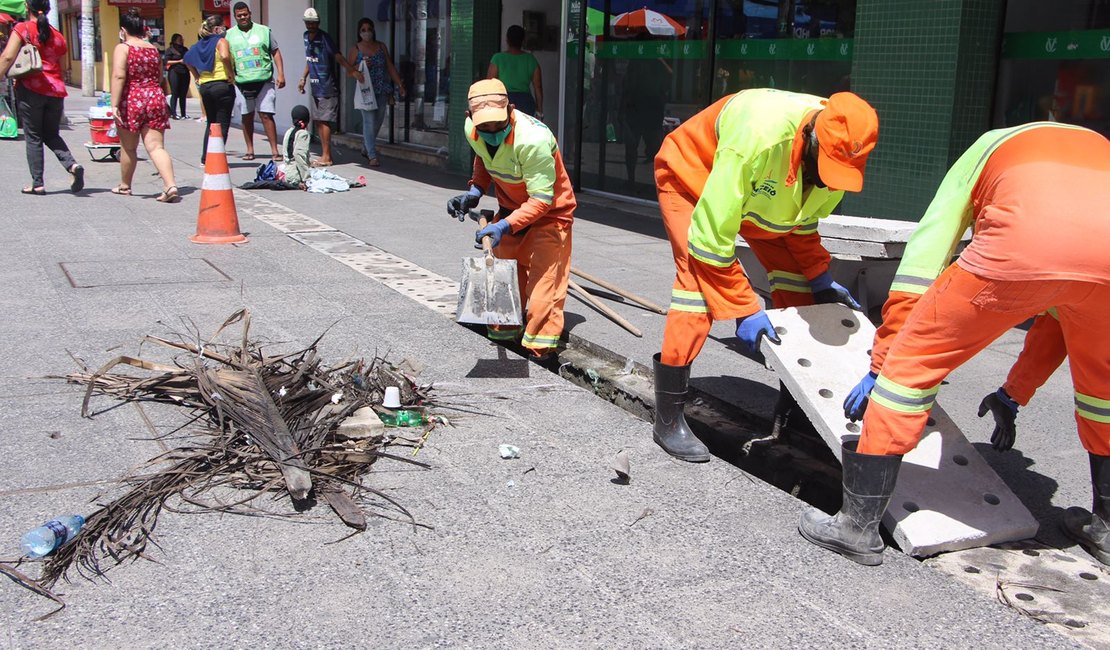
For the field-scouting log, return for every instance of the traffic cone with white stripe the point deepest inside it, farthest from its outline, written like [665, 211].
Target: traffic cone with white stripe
[217, 221]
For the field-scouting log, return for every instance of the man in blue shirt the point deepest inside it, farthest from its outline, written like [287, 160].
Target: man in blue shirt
[321, 55]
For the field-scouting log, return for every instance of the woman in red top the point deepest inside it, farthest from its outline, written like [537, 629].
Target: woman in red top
[40, 96]
[139, 105]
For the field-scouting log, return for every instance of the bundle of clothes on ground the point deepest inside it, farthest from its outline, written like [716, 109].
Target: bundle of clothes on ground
[295, 171]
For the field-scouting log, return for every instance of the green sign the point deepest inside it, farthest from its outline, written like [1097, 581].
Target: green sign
[652, 49]
[1089, 44]
[785, 49]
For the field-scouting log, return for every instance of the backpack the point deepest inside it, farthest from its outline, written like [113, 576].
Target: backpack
[266, 172]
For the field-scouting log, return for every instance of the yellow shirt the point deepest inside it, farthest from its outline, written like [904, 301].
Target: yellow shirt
[218, 73]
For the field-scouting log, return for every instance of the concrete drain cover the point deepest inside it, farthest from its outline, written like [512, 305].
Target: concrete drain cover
[121, 273]
[947, 498]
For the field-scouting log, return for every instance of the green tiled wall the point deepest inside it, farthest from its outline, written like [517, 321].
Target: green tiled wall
[928, 69]
[475, 37]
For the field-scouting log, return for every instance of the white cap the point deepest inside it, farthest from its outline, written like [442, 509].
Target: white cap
[392, 398]
[310, 15]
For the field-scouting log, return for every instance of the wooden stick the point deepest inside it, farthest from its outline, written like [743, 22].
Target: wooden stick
[613, 316]
[617, 290]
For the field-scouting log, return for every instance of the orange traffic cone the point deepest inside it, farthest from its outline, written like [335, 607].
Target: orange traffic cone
[217, 221]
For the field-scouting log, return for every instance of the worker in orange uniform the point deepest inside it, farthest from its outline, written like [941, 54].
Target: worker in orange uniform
[767, 165]
[518, 153]
[1033, 196]
[1042, 354]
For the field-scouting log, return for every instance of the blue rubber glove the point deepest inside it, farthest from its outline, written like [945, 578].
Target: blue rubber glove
[750, 328]
[826, 291]
[856, 402]
[1005, 410]
[495, 231]
[459, 205]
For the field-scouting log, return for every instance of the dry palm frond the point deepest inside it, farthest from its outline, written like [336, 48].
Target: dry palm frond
[270, 427]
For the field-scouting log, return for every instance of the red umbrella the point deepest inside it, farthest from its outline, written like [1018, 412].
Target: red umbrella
[646, 20]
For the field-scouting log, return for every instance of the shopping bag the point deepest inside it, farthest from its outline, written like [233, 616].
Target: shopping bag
[364, 99]
[9, 128]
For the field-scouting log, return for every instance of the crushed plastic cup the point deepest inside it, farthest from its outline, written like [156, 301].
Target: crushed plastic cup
[392, 398]
[508, 451]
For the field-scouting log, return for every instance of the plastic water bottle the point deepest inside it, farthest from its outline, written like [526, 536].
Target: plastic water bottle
[45, 539]
[403, 418]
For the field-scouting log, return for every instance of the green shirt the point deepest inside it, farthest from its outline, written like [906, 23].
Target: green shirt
[515, 70]
[252, 53]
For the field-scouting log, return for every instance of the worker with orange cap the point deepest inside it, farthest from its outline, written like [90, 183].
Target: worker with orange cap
[519, 155]
[767, 165]
[1032, 195]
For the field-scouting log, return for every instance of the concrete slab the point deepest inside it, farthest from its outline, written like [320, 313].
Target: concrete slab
[947, 498]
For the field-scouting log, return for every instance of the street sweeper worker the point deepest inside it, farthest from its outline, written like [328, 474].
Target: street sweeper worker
[518, 153]
[1034, 196]
[1041, 355]
[766, 164]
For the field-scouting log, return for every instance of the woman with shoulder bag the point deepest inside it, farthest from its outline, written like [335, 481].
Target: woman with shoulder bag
[40, 96]
[379, 64]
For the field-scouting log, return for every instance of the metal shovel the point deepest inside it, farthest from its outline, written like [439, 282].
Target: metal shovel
[489, 293]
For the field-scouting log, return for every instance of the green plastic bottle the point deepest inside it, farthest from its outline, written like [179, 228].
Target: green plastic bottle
[403, 418]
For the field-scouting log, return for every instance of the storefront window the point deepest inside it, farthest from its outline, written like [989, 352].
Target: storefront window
[649, 67]
[1055, 64]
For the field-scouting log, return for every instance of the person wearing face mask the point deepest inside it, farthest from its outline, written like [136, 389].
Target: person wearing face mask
[519, 155]
[384, 80]
[767, 165]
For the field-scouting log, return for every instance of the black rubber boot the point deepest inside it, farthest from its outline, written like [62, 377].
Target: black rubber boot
[671, 431]
[1092, 529]
[854, 531]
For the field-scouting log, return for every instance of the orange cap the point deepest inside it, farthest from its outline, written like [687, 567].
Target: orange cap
[488, 101]
[846, 129]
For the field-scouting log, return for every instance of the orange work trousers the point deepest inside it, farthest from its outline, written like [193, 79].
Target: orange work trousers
[961, 314]
[542, 257]
[1042, 354]
[725, 294]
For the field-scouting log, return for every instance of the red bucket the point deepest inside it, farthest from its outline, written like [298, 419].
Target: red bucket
[103, 131]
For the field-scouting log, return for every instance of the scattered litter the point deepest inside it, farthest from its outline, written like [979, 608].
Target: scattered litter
[622, 466]
[511, 484]
[628, 366]
[392, 398]
[508, 451]
[646, 513]
[592, 375]
[530, 469]
[242, 438]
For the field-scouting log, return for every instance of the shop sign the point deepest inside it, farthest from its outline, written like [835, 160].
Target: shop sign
[218, 6]
[785, 49]
[1088, 44]
[135, 3]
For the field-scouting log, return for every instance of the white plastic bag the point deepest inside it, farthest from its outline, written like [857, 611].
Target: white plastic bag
[364, 99]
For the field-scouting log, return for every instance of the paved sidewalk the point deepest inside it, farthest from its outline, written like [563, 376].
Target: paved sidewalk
[686, 556]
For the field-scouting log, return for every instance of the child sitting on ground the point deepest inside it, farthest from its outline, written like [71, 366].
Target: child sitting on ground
[294, 148]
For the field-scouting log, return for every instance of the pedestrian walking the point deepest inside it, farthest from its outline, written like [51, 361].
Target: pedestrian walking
[177, 73]
[766, 165]
[259, 73]
[321, 55]
[40, 96]
[518, 154]
[1031, 195]
[210, 63]
[372, 58]
[520, 72]
[139, 106]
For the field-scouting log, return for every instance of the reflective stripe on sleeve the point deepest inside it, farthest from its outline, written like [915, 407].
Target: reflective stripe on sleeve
[709, 258]
[911, 284]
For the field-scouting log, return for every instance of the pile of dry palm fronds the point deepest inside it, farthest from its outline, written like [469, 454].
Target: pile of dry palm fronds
[270, 427]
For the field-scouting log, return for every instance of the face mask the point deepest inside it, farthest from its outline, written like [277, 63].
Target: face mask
[495, 139]
[366, 35]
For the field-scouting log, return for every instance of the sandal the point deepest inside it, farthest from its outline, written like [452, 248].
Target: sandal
[37, 191]
[78, 183]
[322, 163]
[374, 162]
[169, 195]
[248, 156]
[122, 190]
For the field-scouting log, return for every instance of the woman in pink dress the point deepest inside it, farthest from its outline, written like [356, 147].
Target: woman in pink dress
[40, 96]
[139, 106]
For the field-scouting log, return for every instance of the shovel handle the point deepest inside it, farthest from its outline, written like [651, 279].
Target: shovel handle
[612, 315]
[486, 246]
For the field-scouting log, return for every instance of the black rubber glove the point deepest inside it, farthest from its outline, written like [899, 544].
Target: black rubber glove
[459, 205]
[1005, 410]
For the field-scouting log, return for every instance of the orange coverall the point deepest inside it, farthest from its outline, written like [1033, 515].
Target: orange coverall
[1041, 355]
[536, 196]
[1034, 196]
[792, 254]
